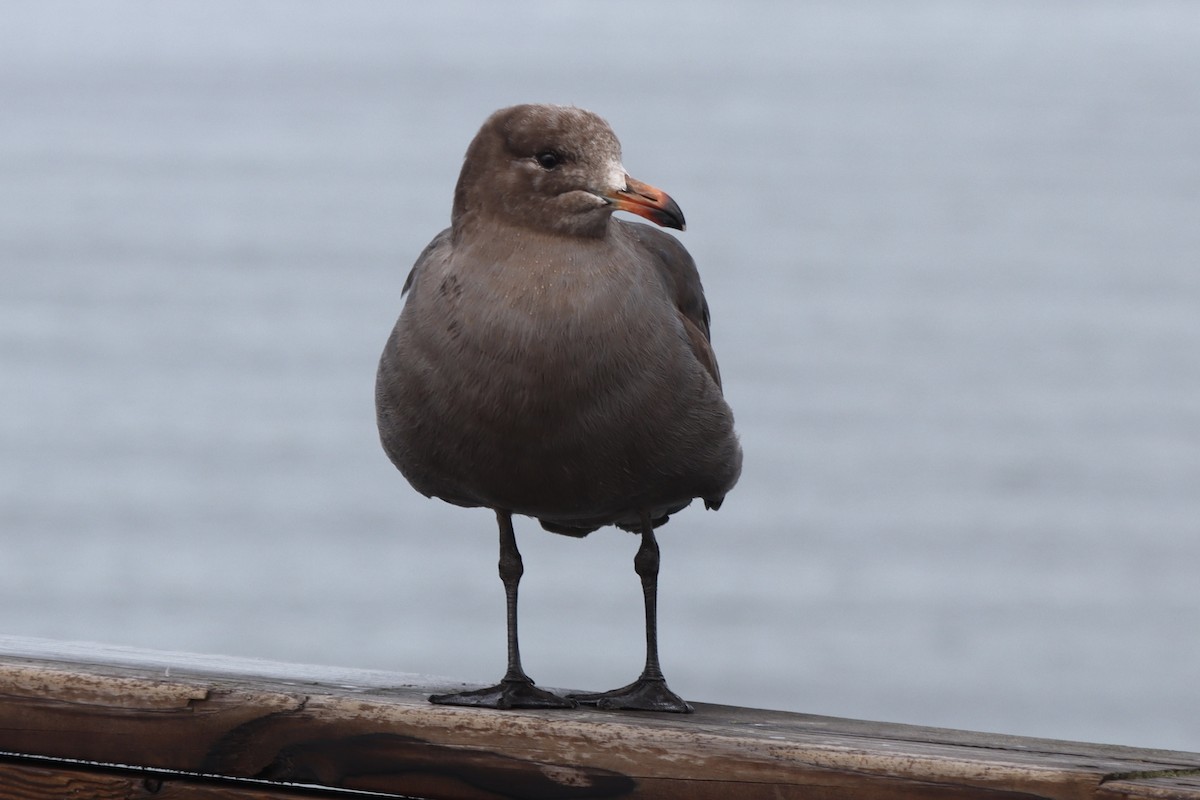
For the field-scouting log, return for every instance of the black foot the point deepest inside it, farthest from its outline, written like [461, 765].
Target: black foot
[506, 694]
[644, 694]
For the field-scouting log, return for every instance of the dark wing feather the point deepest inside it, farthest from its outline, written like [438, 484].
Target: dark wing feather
[439, 240]
[678, 271]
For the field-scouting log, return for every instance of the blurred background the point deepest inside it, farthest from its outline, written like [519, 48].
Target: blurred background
[951, 251]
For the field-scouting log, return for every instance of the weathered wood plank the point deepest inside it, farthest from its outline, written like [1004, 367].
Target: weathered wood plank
[1168, 786]
[374, 731]
[38, 782]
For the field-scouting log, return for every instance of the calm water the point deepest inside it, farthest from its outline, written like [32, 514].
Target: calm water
[952, 255]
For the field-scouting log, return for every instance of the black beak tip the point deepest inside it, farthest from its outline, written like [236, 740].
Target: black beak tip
[672, 217]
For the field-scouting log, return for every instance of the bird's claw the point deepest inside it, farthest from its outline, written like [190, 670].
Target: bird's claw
[644, 694]
[509, 693]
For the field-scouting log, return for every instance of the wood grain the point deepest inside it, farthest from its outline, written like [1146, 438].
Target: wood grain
[39, 781]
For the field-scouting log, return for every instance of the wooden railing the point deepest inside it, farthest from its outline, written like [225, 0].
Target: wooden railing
[87, 721]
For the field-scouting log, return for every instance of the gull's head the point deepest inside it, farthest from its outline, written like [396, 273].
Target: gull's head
[554, 169]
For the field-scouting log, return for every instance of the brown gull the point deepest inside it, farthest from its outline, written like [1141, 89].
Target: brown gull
[554, 362]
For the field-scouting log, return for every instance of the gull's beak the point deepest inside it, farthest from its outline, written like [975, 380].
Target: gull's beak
[647, 201]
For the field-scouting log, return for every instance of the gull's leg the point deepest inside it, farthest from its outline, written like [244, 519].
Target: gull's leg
[649, 692]
[515, 689]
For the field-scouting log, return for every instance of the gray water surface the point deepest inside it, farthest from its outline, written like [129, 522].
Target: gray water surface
[951, 251]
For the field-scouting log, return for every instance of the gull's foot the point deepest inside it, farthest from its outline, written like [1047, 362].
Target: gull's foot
[506, 694]
[644, 694]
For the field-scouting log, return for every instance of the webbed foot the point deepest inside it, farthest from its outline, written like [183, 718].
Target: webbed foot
[644, 694]
[506, 694]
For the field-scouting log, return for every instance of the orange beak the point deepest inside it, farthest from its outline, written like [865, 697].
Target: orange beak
[648, 201]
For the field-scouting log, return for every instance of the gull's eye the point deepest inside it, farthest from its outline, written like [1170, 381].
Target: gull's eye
[548, 159]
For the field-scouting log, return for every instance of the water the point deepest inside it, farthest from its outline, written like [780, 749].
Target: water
[951, 252]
